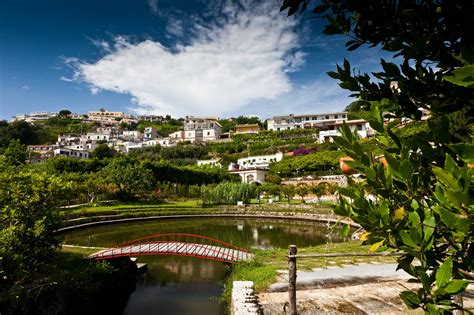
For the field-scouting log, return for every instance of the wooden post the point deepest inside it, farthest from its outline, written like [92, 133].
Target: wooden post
[292, 250]
[459, 310]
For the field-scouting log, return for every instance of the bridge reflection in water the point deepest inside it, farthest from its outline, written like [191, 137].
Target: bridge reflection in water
[177, 245]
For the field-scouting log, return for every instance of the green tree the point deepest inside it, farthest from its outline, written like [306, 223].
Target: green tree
[289, 192]
[227, 125]
[302, 190]
[227, 193]
[16, 153]
[64, 113]
[242, 120]
[103, 151]
[319, 190]
[28, 200]
[270, 189]
[128, 178]
[422, 202]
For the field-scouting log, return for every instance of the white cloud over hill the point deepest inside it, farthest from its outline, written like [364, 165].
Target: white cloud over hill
[241, 58]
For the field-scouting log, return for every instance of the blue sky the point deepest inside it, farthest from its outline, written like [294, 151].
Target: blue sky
[222, 58]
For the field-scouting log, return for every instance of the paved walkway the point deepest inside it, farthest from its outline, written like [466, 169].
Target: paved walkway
[361, 289]
[337, 276]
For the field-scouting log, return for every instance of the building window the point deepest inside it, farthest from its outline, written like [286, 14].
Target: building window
[208, 133]
[327, 117]
[336, 117]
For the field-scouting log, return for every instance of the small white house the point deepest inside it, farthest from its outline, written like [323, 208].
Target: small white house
[260, 161]
[80, 154]
[150, 133]
[252, 175]
[362, 126]
[97, 137]
[166, 142]
[132, 135]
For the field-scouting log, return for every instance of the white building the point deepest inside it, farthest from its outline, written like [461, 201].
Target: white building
[82, 146]
[306, 121]
[65, 139]
[166, 142]
[109, 117]
[129, 146]
[259, 161]
[362, 126]
[34, 116]
[201, 129]
[80, 154]
[254, 169]
[132, 135]
[152, 118]
[177, 135]
[96, 137]
[251, 176]
[150, 133]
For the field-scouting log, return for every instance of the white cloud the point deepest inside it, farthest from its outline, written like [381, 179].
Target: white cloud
[26, 87]
[153, 4]
[319, 96]
[63, 78]
[243, 56]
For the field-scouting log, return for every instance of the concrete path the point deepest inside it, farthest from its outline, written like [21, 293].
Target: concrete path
[337, 276]
[361, 289]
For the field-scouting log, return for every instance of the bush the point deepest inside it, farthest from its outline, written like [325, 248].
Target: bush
[227, 193]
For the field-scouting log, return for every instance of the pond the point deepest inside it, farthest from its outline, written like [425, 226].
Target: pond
[187, 285]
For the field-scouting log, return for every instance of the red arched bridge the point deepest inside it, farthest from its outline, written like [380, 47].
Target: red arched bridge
[177, 245]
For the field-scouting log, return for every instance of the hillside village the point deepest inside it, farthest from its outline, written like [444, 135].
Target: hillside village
[121, 133]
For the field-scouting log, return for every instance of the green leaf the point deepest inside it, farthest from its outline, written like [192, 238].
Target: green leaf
[345, 230]
[455, 286]
[444, 273]
[452, 220]
[384, 211]
[411, 299]
[464, 150]
[407, 240]
[463, 76]
[375, 246]
[429, 224]
[446, 178]
[432, 309]
[375, 119]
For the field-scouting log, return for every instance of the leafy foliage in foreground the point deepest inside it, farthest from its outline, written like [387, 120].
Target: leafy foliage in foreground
[28, 218]
[421, 202]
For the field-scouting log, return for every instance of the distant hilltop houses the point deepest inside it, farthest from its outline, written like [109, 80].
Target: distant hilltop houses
[119, 131]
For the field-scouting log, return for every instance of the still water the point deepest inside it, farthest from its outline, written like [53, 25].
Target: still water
[187, 285]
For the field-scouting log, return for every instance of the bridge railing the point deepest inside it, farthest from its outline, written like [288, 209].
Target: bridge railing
[182, 237]
[202, 246]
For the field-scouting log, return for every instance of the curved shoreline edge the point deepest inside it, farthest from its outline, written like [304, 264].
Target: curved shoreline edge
[270, 215]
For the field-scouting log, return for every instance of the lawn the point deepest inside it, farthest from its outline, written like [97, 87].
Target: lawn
[93, 212]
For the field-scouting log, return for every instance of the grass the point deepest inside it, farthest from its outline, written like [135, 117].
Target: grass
[78, 250]
[92, 213]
